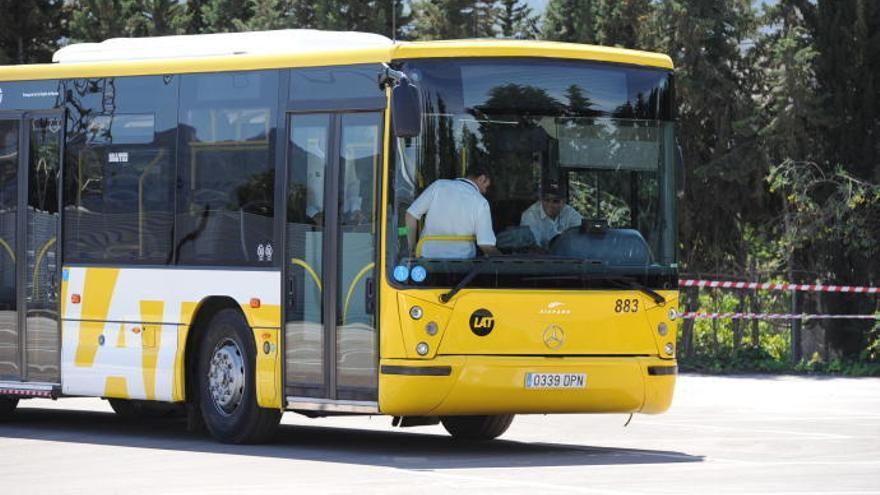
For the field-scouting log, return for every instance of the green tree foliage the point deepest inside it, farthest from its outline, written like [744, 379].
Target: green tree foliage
[707, 40]
[98, 20]
[821, 133]
[157, 18]
[604, 22]
[373, 16]
[571, 20]
[454, 19]
[225, 16]
[29, 30]
[516, 20]
[621, 22]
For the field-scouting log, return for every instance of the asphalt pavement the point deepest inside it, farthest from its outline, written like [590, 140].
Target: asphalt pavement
[736, 435]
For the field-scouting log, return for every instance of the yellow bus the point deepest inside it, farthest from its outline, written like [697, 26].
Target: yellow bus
[216, 225]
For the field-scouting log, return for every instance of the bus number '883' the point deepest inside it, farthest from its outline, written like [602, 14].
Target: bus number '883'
[626, 306]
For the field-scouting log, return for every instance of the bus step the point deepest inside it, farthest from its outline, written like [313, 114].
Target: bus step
[30, 389]
[404, 421]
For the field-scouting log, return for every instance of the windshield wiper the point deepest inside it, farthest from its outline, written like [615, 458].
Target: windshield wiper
[473, 272]
[478, 267]
[633, 284]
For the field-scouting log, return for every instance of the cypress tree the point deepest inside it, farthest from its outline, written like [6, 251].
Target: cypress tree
[224, 16]
[98, 20]
[454, 19]
[157, 18]
[570, 20]
[516, 20]
[29, 31]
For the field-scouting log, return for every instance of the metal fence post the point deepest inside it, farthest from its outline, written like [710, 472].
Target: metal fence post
[796, 348]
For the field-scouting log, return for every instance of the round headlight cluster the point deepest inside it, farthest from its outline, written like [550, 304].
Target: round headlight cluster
[422, 348]
[431, 328]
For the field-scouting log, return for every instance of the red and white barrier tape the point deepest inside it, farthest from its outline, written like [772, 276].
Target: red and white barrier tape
[773, 316]
[726, 284]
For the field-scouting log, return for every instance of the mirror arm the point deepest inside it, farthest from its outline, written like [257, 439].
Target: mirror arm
[389, 76]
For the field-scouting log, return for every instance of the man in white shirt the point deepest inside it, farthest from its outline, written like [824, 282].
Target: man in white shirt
[453, 208]
[550, 216]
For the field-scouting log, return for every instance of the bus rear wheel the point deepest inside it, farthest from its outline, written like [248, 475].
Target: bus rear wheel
[227, 385]
[477, 428]
[7, 406]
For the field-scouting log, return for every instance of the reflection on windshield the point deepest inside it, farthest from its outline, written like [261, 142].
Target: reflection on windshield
[575, 161]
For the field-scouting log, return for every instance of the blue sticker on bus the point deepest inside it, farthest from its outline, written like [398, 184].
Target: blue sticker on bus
[401, 273]
[65, 275]
[419, 274]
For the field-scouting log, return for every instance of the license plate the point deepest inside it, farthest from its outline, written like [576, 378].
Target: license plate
[556, 380]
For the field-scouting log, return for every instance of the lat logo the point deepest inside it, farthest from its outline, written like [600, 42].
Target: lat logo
[482, 322]
[555, 308]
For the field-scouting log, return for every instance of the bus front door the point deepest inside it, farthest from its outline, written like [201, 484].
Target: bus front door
[331, 341]
[30, 167]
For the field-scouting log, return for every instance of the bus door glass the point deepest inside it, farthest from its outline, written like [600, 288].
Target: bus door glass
[42, 284]
[29, 261]
[331, 342]
[9, 336]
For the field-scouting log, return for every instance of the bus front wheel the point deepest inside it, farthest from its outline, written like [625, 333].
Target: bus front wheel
[7, 406]
[477, 428]
[227, 385]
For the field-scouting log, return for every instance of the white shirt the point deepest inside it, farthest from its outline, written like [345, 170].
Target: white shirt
[454, 208]
[546, 228]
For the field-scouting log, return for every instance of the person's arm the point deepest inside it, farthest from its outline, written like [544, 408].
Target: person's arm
[573, 218]
[484, 233]
[489, 250]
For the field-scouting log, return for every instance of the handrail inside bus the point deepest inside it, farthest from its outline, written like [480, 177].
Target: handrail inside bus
[310, 270]
[444, 238]
[37, 260]
[369, 266]
[8, 249]
[141, 215]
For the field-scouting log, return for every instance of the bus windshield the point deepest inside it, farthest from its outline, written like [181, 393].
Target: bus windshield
[581, 158]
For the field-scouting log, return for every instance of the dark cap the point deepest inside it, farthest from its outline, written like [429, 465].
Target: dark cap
[551, 191]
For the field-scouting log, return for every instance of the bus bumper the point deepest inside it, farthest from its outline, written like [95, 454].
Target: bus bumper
[458, 385]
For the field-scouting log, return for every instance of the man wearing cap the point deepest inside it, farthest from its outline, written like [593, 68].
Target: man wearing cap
[550, 216]
[454, 209]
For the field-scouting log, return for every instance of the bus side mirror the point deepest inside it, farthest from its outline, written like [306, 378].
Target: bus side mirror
[406, 110]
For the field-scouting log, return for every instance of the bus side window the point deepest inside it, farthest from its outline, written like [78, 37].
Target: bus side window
[119, 169]
[226, 172]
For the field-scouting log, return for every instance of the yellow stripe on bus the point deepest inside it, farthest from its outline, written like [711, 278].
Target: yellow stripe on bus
[98, 289]
[151, 311]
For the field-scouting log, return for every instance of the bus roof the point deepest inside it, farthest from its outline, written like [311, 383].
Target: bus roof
[290, 48]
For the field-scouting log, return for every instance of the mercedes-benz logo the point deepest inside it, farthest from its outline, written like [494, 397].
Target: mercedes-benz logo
[554, 337]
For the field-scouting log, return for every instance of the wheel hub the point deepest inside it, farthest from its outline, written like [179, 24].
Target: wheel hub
[226, 376]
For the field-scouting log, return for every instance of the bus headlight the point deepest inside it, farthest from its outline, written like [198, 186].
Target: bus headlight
[416, 312]
[673, 314]
[669, 348]
[422, 348]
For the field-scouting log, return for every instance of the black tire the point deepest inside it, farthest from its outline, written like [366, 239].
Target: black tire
[7, 406]
[233, 416]
[477, 428]
[141, 409]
